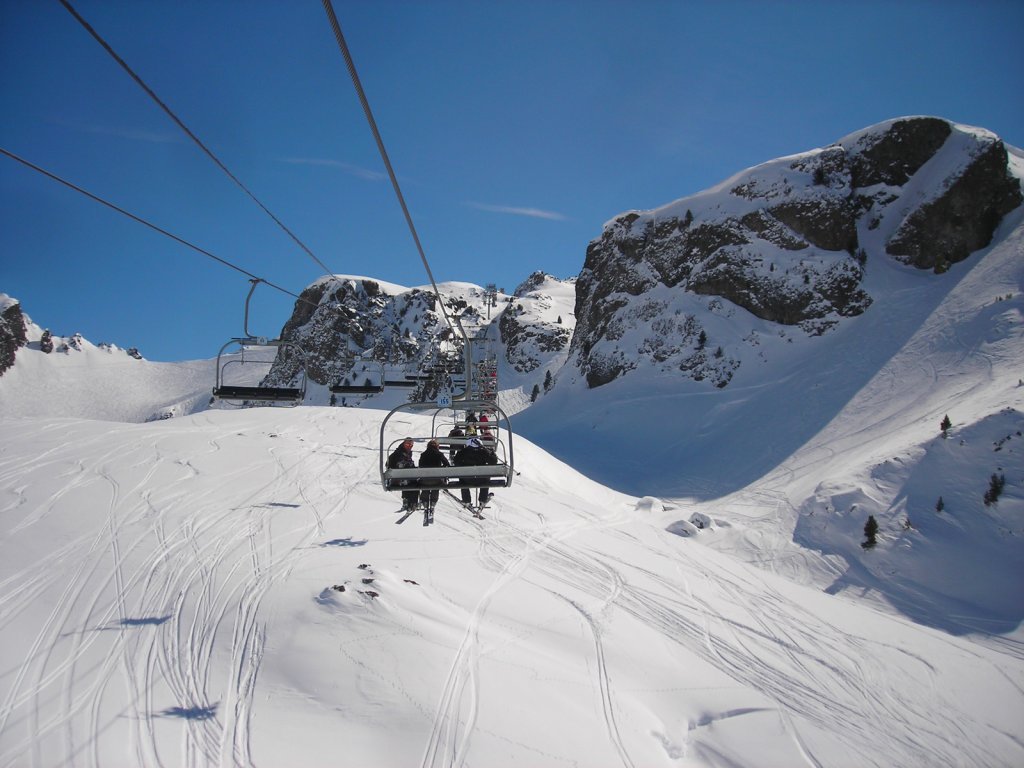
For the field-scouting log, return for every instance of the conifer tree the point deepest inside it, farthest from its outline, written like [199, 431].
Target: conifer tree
[535, 393]
[945, 425]
[870, 532]
[940, 505]
[995, 489]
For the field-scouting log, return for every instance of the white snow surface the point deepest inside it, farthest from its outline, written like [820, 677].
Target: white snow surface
[171, 598]
[84, 380]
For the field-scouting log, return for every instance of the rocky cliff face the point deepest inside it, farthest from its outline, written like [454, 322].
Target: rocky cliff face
[343, 316]
[788, 242]
[337, 317]
[13, 334]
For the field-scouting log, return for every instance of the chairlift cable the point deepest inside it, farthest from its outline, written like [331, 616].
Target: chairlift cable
[152, 226]
[188, 132]
[350, 64]
[162, 231]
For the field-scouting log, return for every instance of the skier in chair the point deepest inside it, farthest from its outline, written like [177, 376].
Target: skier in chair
[401, 458]
[432, 457]
[475, 455]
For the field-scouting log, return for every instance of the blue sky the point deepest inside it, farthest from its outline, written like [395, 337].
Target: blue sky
[517, 129]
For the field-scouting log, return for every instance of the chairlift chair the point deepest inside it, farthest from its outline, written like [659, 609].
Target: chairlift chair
[241, 394]
[433, 478]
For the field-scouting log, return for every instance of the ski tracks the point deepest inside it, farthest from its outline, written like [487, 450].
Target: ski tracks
[143, 601]
[510, 551]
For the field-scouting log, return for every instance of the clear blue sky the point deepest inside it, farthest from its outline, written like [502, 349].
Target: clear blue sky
[517, 129]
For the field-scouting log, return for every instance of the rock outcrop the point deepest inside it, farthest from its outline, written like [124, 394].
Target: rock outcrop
[529, 332]
[787, 241]
[337, 319]
[13, 333]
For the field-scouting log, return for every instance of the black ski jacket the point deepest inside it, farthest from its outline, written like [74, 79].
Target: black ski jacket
[432, 457]
[475, 457]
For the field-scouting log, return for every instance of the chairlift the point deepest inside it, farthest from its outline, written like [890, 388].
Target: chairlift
[444, 417]
[244, 364]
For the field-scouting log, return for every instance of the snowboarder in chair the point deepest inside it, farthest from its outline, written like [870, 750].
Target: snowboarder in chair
[401, 458]
[475, 455]
[432, 457]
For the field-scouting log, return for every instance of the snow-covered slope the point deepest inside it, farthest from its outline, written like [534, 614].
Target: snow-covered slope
[738, 322]
[80, 379]
[230, 588]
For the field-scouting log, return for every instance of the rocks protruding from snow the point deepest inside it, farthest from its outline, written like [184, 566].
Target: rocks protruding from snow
[531, 329]
[13, 333]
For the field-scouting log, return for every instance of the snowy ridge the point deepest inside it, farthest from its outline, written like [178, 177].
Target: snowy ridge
[83, 380]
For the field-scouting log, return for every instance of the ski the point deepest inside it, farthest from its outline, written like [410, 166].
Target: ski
[472, 510]
[404, 517]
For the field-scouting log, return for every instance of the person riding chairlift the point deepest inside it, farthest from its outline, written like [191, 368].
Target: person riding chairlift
[431, 457]
[474, 455]
[401, 458]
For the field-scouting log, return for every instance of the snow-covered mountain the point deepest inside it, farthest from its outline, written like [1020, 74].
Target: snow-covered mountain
[789, 243]
[230, 588]
[758, 309]
[527, 333]
[51, 375]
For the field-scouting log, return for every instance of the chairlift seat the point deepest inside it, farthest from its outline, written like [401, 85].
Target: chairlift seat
[414, 478]
[276, 394]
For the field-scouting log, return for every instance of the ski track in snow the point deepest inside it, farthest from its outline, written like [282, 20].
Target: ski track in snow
[175, 590]
[508, 551]
[166, 601]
